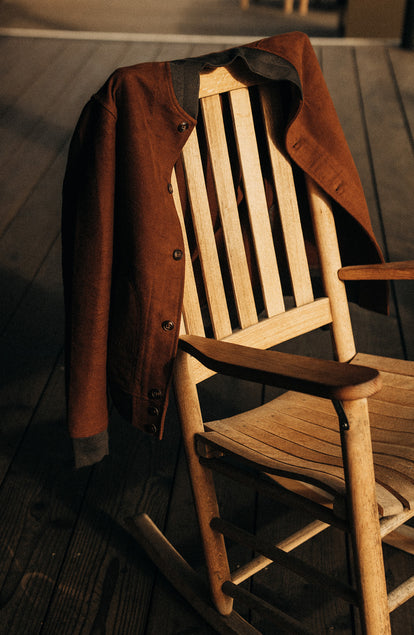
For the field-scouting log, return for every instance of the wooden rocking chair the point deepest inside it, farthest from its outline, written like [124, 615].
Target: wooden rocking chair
[336, 444]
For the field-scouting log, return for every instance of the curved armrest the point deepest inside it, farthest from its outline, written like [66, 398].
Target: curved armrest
[382, 271]
[323, 378]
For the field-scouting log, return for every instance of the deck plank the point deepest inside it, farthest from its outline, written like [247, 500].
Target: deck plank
[375, 333]
[50, 130]
[110, 586]
[27, 241]
[34, 534]
[403, 68]
[393, 165]
[29, 347]
[31, 58]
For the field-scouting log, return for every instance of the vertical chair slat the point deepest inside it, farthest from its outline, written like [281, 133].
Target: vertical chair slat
[256, 201]
[286, 196]
[236, 254]
[213, 281]
[192, 317]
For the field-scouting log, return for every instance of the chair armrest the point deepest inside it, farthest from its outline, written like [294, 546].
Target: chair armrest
[323, 378]
[382, 271]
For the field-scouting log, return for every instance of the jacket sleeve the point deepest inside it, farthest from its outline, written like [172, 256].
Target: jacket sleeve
[87, 243]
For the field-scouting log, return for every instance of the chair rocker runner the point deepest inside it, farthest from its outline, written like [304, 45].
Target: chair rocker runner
[338, 444]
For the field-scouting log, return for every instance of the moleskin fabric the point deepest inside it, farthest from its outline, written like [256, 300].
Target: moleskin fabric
[123, 268]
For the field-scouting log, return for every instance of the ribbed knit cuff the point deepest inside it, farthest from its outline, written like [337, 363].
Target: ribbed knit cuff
[90, 450]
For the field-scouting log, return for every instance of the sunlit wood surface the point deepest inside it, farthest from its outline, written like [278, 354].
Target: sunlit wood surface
[67, 565]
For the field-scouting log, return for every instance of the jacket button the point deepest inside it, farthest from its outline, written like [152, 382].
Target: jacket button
[168, 325]
[153, 411]
[151, 428]
[182, 127]
[170, 188]
[177, 254]
[155, 393]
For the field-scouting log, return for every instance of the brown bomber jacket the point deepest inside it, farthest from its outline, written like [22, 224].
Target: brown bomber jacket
[121, 235]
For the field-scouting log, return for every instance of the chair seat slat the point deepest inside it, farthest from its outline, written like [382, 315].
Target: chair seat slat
[297, 428]
[240, 445]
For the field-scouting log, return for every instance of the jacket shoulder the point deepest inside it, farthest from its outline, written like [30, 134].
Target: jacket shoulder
[145, 76]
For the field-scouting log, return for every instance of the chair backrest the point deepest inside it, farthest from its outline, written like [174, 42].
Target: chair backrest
[243, 224]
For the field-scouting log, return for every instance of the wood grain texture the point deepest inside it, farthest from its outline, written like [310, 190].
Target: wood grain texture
[386, 271]
[324, 378]
[67, 565]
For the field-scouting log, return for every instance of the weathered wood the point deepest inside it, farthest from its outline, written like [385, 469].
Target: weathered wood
[29, 239]
[365, 525]
[104, 580]
[285, 192]
[193, 320]
[256, 201]
[328, 250]
[213, 282]
[180, 574]
[50, 129]
[219, 80]
[324, 378]
[270, 488]
[402, 66]
[41, 498]
[392, 152]
[203, 485]
[401, 594]
[284, 559]
[236, 255]
[29, 347]
[31, 57]
[287, 325]
[293, 541]
[402, 538]
[285, 623]
[387, 271]
[35, 533]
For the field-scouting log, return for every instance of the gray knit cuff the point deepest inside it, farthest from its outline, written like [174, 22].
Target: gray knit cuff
[90, 450]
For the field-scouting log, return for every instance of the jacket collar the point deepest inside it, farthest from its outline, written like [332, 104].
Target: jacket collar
[185, 73]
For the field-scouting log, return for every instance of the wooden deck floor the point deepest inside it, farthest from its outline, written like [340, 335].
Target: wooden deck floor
[67, 566]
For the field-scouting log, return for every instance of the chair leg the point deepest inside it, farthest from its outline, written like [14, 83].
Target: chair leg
[363, 512]
[203, 486]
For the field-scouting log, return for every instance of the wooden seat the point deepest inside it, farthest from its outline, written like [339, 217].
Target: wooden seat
[299, 433]
[288, 6]
[339, 444]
